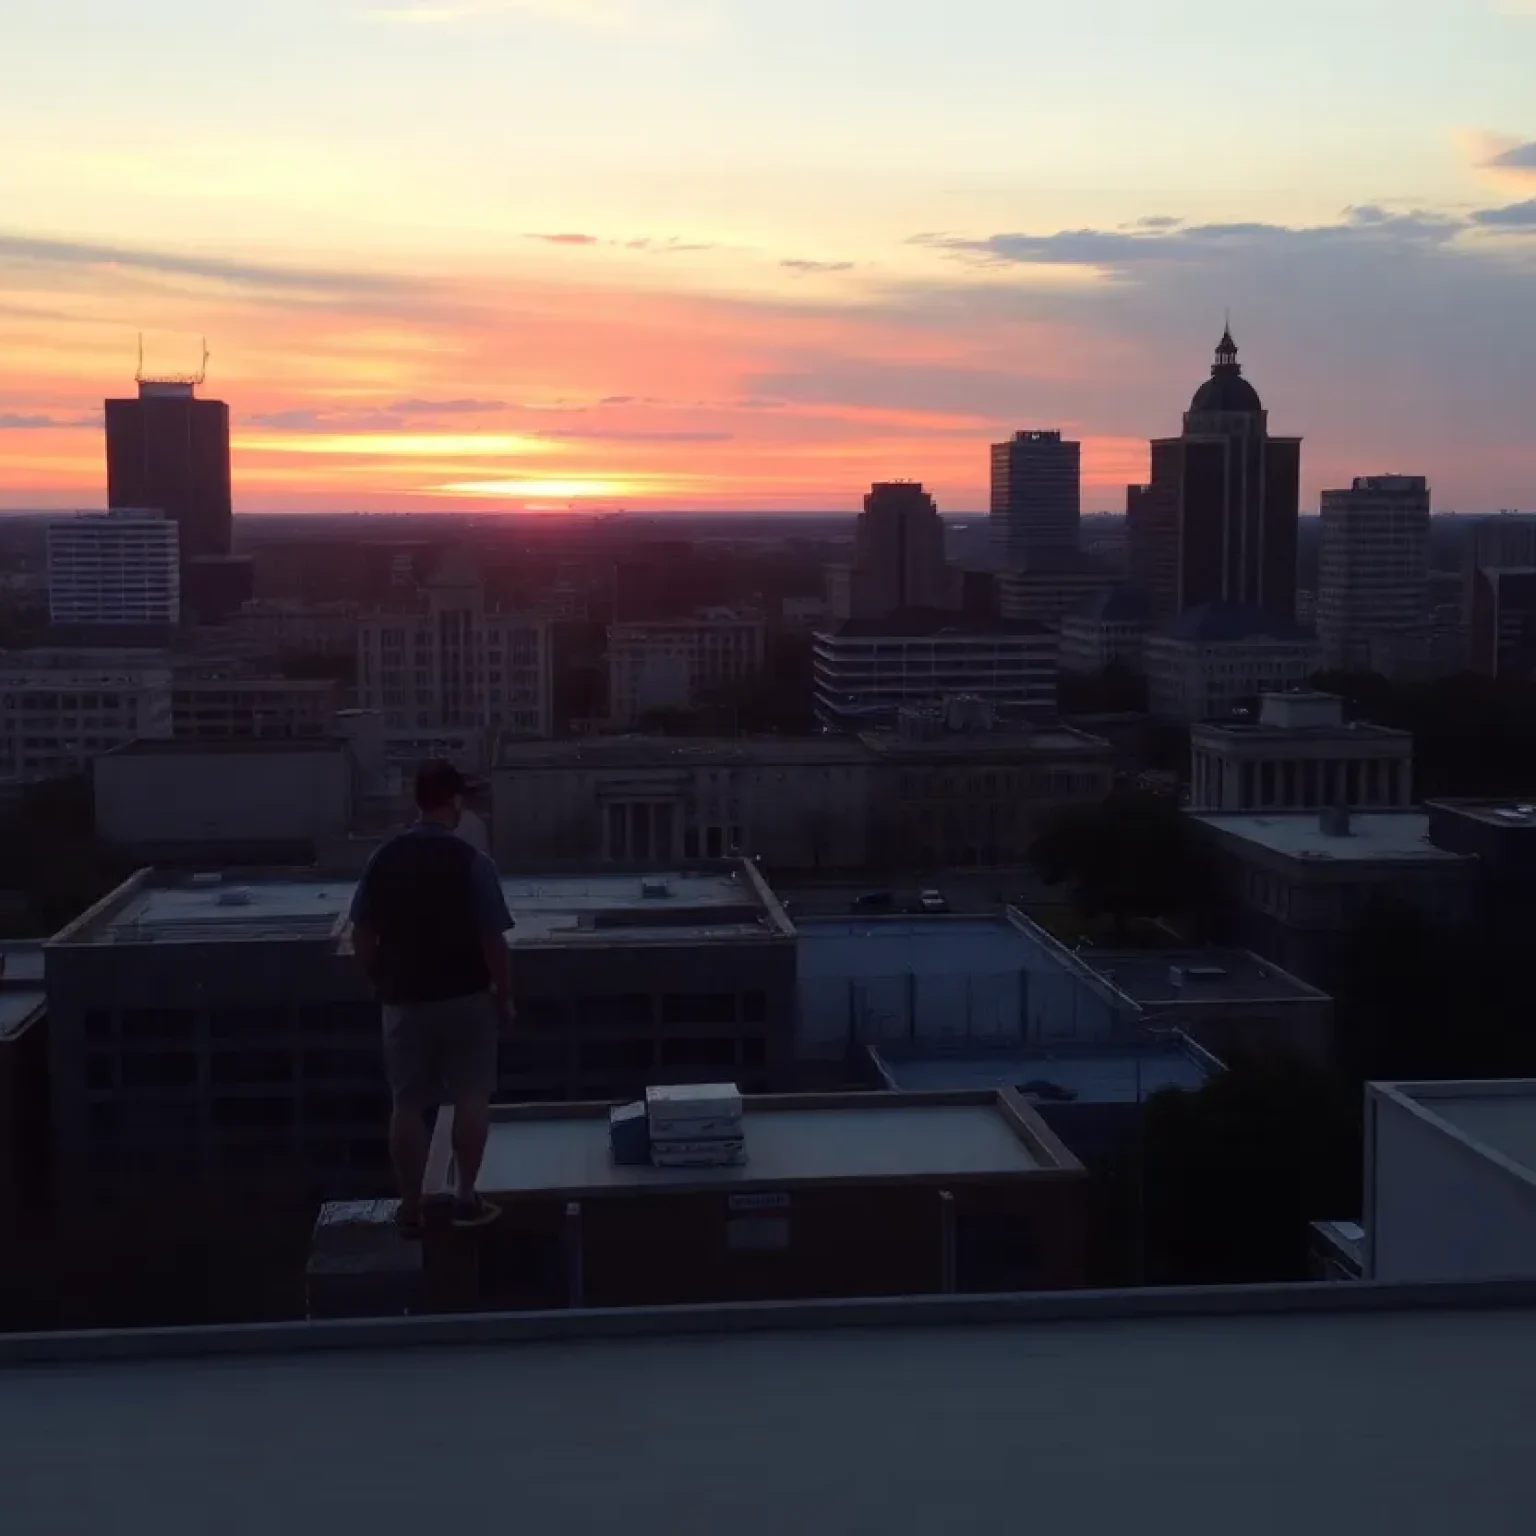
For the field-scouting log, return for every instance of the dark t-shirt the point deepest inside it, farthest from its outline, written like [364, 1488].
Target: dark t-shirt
[430, 900]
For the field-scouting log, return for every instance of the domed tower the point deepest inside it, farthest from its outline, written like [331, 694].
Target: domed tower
[1218, 521]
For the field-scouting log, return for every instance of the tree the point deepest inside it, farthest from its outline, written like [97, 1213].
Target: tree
[1128, 856]
[1232, 1175]
[1114, 691]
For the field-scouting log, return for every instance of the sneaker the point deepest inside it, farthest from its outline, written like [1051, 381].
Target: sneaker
[474, 1212]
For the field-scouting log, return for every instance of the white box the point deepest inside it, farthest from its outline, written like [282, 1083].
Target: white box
[693, 1101]
[671, 1128]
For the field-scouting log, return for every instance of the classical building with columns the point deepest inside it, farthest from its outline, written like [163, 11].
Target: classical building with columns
[1300, 754]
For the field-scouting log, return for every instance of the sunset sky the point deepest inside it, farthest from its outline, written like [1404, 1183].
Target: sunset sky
[756, 253]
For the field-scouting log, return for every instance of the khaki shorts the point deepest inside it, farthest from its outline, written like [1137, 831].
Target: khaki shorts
[441, 1052]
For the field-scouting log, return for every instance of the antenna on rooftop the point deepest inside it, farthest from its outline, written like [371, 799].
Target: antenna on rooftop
[192, 379]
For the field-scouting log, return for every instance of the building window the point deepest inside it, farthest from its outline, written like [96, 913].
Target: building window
[757, 1234]
[243, 1023]
[717, 1052]
[754, 1006]
[252, 1114]
[160, 1069]
[624, 1010]
[698, 1008]
[616, 1055]
[236, 1069]
[141, 1025]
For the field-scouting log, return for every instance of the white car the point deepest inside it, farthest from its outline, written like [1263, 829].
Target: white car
[932, 901]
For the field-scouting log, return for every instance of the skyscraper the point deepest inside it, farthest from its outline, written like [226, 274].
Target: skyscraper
[1219, 518]
[114, 570]
[1373, 574]
[898, 557]
[169, 451]
[1500, 598]
[1036, 499]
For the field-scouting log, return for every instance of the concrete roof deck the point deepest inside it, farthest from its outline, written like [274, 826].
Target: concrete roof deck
[894, 946]
[1114, 1075]
[1494, 1117]
[1373, 835]
[1146, 975]
[597, 752]
[547, 909]
[1409, 1422]
[797, 1139]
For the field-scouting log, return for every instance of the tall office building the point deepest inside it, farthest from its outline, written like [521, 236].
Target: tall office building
[1501, 595]
[1218, 521]
[898, 557]
[1036, 499]
[169, 450]
[1373, 574]
[117, 569]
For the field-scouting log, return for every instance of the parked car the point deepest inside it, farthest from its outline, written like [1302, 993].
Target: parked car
[932, 901]
[874, 901]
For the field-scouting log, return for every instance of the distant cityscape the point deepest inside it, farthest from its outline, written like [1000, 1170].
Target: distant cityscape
[1068, 819]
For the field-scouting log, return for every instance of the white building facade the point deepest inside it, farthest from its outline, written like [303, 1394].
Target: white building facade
[57, 713]
[1373, 570]
[672, 664]
[118, 568]
[864, 672]
[454, 664]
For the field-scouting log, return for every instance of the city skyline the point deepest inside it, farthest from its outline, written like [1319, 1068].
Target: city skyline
[487, 254]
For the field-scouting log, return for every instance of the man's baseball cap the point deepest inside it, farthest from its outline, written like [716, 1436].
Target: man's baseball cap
[438, 781]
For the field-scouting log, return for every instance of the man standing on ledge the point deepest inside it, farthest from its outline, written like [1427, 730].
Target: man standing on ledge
[428, 925]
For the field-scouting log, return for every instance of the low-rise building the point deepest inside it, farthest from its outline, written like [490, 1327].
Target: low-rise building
[1220, 657]
[794, 802]
[1108, 631]
[951, 799]
[1091, 1097]
[1232, 1001]
[1299, 754]
[1292, 885]
[922, 796]
[881, 1194]
[243, 801]
[1501, 835]
[270, 628]
[227, 707]
[672, 664]
[1046, 590]
[1450, 1181]
[23, 1094]
[219, 1032]
[866, 670]
[58, 711]
[454, 663]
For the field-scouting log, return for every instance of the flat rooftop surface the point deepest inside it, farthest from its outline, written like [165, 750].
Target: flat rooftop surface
[895, 946]
[1373, 835]
[1499, 1115]
[1417, 1424]
[676, 752]
[562, 908]
[783, 1145]
[17, 1005]
[546, 909]
[1091, 1077]
[1210, 975]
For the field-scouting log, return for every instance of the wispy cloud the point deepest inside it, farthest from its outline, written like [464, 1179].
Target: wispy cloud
[619, 435]
[670, 245]
[1173, 242]
[800, 264]
[22, 421]
[34, 250]
[445, 407]
[643, 17]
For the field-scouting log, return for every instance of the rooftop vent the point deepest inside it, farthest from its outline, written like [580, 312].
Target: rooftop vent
[235, 896]
[206, 879]
[655, 890]
[1334, 821]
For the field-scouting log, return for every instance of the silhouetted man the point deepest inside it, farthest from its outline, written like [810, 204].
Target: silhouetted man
[429, 922]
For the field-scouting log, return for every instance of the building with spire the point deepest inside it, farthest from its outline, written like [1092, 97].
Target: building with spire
[1217, 523]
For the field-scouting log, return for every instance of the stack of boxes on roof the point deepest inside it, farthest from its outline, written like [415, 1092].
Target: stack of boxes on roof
[689, 1125]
